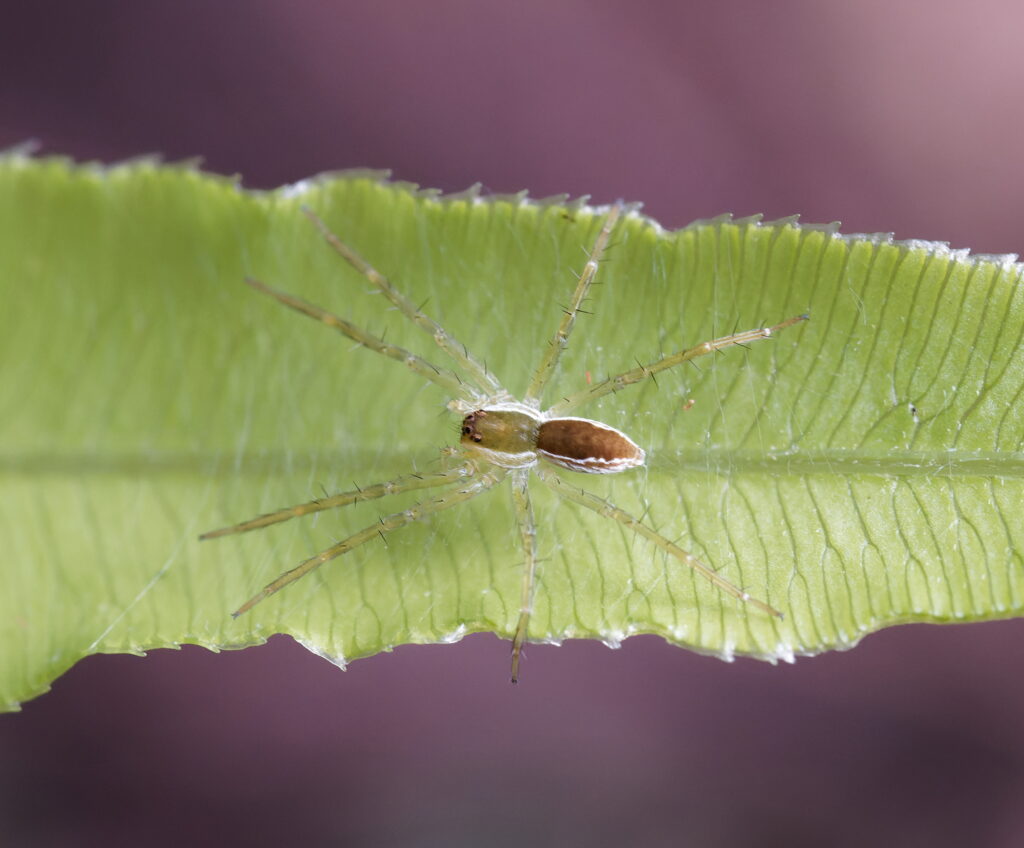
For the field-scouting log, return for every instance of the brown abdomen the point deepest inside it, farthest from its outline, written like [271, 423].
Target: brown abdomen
[580, 444]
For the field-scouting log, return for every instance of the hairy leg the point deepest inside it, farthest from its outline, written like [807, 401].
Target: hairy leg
[442, 377]
[643, 372]
[476, 485]
[405, 483]
[560, 340]
[477, 373]
[609, 510]
[528, 534]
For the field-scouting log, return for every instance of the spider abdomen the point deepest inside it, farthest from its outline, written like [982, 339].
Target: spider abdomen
[580, 444]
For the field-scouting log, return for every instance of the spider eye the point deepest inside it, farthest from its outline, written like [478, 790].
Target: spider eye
[477, 437]
[466, 429]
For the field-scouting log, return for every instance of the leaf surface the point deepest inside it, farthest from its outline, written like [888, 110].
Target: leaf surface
[858, 470]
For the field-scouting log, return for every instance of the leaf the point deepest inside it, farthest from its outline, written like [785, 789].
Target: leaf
[856, 471]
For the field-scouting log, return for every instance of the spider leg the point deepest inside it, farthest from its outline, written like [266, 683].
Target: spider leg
[477, 485]
[477, 372]
[528, 534]
[636, 375]
[560, 340]
[609, 510]
[447, 380]
[405, 483]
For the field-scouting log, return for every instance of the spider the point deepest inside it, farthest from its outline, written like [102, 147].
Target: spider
[500, 435]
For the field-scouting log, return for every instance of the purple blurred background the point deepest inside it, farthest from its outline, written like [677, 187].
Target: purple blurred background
[903, 117]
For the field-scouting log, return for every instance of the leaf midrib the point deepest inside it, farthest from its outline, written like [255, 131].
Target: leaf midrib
[895, 464]
[272, 463]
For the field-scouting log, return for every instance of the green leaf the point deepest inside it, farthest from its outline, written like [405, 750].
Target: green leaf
[855, 471]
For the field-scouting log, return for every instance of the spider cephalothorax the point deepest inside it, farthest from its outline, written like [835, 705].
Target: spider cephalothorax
[500, 437]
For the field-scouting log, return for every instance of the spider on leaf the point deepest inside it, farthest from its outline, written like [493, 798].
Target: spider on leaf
[501, 436]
